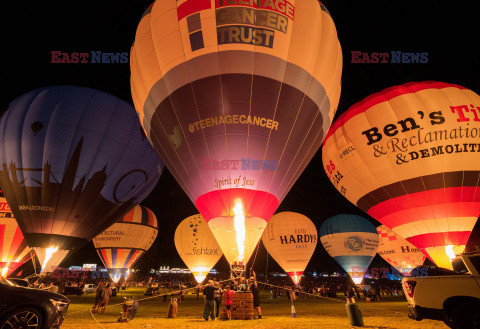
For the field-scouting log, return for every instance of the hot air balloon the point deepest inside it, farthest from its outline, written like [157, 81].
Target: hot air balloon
[398, 252]
[236, 97]
[197, 246]
[352, 241]
[408, 156]
[121, 245]
[14, 251]
[290, 238]
[73, 161]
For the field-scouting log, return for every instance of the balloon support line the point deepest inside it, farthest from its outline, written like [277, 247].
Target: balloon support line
[336, 300]
[264, 283]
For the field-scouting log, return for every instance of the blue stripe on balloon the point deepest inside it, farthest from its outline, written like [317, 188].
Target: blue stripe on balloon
[346, 223]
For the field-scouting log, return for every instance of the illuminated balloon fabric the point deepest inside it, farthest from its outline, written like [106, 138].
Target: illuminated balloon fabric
[197, 246]
[73, 161]
[290, 238]
[397, 251]
[124, 243]
[352, 241]
[408, 157]
[236, 98]
[13, 247]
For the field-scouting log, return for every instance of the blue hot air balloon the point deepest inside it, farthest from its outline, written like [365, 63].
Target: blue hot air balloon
[73, 160]
[352, 241]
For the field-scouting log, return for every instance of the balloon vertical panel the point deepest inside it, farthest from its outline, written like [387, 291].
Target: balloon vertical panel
[408, 157]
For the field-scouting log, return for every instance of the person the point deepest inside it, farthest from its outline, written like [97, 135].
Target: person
[99, 292]
[256, 295]
[209, 293]
[229, 301]
[105, 297]
[350, 294]
[217, 298]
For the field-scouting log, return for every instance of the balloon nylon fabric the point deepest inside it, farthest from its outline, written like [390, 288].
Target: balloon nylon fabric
[124, 243]
[235, 118]
[352, 241]
[290, 238]
[14, 251]
[73, 161]
[408, 156]
[197, 246]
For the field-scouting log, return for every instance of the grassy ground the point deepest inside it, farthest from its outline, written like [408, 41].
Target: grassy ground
[311, 313]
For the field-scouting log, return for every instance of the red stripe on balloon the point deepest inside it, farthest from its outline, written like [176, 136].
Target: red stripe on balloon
[385, 96]
[440, 239]
[220, 203]
[105, 258]
[192, 6]
[17, 240]
[2, 236]
[439, 203]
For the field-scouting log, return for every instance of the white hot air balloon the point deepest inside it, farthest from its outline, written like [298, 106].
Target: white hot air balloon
[197, 246]
[291, 238]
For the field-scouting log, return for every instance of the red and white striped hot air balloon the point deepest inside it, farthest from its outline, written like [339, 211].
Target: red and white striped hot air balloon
[409, 157]
[14, 250]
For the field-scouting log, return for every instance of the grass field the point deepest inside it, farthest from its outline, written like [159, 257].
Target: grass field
[311, 313]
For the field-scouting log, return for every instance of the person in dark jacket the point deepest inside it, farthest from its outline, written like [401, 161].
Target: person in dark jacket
[209, 293]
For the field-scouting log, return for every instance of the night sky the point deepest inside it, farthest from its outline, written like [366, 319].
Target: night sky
[32, 30]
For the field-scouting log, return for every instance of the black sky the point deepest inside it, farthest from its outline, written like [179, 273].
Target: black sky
[32, 30]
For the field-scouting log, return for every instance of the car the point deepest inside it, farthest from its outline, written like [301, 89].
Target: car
[89, 288]
[19, 282]
[22, 307]
[449, 296]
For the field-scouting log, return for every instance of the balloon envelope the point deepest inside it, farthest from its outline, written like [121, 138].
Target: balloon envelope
[73, 160]
[290, 238]
[408, 156]
[121, 245]
[235, 104]
[398, 252]
[352, 241]
[14, 251]
[197, 246]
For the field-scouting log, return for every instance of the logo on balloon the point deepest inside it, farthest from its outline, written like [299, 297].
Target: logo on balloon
[354, 243]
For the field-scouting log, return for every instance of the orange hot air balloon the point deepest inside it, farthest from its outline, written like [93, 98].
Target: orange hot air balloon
[408, 156]
[14, 251]
[236, 96]
[398, 252]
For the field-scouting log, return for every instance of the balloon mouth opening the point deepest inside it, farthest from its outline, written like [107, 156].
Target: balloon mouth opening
[117, 275]
[357, 280]
[237, 235]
